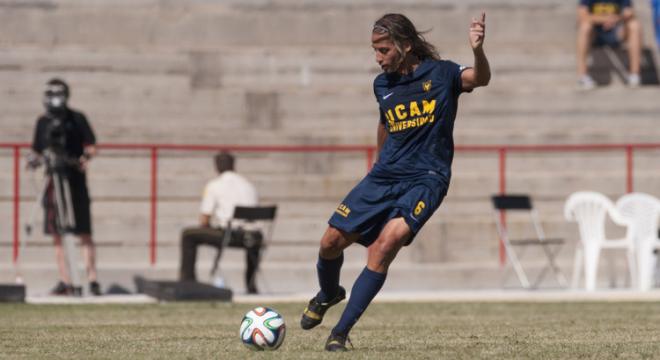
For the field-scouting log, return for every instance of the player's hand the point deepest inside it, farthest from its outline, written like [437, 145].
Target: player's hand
[478, 32]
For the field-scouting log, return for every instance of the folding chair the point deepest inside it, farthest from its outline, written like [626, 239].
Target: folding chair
[244, 215]
[550, 247]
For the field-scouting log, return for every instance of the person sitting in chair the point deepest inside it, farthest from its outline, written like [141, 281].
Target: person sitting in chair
[221, 196]
[608, 22]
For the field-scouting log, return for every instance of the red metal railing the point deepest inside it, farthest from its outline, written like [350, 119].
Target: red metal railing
[504, 150]
[154, 150]
[369, 151]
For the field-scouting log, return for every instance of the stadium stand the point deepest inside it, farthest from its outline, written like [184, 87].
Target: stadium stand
[300, 72]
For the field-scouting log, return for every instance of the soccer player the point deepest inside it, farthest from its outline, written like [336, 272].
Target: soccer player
[417, 95]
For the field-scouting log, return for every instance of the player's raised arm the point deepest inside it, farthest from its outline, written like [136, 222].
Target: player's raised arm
[479, 74]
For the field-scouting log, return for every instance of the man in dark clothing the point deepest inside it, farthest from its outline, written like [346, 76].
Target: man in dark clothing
[64, 142]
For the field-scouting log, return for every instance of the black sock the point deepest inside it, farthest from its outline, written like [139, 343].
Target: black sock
[328, 272]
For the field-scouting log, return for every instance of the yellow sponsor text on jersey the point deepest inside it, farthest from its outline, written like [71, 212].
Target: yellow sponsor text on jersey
[403, 117]
[605, 9]
[413, 123]
[343, 210]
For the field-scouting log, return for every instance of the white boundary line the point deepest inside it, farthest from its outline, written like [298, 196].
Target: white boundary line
[540, 296]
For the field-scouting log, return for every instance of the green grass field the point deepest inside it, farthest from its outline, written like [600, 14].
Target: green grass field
[409, 331]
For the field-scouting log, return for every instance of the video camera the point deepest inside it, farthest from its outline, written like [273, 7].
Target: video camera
[55, 155]
[55, 135]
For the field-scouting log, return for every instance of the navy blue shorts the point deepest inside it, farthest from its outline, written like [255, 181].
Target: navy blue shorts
[373, 202]
[604, 37]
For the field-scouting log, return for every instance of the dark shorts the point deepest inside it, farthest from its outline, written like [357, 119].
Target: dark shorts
[373, 202]
[77, 183]
[604, 37]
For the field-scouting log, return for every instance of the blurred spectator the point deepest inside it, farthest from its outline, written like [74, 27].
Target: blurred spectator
[221, 196]
[64, 142]
[608, 22]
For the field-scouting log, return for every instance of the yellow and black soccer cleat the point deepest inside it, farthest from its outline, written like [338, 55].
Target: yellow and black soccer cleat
[337, 343]
[313, 314]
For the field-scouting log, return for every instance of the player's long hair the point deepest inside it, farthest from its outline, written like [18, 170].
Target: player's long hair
[401, 30]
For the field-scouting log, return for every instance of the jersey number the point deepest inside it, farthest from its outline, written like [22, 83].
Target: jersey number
[420, 206]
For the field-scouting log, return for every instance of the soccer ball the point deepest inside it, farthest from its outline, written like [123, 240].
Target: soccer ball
[262, 328]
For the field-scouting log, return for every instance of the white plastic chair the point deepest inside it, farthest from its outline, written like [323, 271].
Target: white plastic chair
[643, 211]
[589, 209]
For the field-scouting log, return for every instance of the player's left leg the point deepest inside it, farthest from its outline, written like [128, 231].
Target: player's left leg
[633, 36]
[382, 252]
[89, 253]
[252, 258]
[328, 268]
[83, 228]
[63, 286]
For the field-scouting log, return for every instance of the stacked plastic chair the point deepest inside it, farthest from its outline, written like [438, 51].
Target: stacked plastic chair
[590, 209]
[643, 211]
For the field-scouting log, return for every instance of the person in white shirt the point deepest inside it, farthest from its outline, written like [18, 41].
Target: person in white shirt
[221, 196]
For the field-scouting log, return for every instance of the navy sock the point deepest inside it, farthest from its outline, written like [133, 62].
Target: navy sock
[366, 287]
[328, 272]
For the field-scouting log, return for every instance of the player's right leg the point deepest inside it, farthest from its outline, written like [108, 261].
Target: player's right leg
[63, 287]
[633, 37]
[328, 267]
[89, 252]
[584, 38]
[382, 252]
[191, 239]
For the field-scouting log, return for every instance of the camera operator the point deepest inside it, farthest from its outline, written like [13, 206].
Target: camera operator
[64, 143]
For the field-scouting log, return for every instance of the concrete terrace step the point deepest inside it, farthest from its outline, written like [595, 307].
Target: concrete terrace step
[208, 25]
[191, 170]
[299, 278]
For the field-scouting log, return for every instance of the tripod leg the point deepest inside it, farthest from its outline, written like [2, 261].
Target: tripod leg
[29, 226]
[70, 211]
[72, 261]
[59, 203]
[66, 222]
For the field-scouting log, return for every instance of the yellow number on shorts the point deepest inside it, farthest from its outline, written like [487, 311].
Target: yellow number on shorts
[420, 206]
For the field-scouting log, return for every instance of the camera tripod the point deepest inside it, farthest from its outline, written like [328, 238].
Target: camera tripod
[56, 192]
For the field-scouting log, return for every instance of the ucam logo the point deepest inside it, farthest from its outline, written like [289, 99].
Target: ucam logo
[411, 115]
[343, 210]
[426, 86]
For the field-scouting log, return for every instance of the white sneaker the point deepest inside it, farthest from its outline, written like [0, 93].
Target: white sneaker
[586, 82]
[634, 80]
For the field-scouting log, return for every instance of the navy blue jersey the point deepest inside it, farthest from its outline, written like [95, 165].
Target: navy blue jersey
[418, 111]
[606, 7]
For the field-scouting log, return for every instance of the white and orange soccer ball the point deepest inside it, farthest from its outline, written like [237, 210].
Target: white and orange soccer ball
[262, 328]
